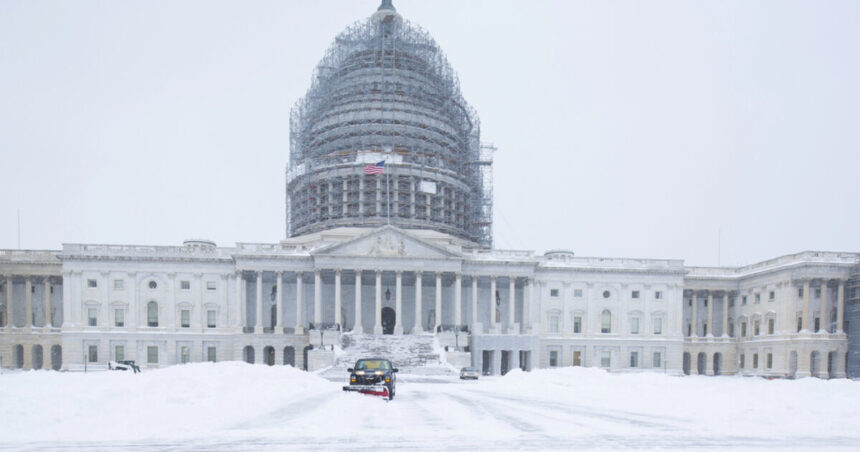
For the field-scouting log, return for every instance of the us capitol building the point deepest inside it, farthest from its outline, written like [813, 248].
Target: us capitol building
[389, 226]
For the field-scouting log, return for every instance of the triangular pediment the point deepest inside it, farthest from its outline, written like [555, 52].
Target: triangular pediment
[386, 242]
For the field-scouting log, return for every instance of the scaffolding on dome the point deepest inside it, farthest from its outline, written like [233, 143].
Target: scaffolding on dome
[384, 91]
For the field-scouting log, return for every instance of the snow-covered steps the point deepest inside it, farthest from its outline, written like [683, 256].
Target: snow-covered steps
[410, 350]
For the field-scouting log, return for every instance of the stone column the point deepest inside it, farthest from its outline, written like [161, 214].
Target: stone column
[9, 323]
[317, 299]
[527, 300]
[300, 327]
[133, 300]
[240, 302]
[710, 332]
[725, 314]
[419, 327]
[458, 300]
[694, 331]
[822, 371]
[840, 307]
[279, 288]
[512, 304]
[474, 301]
[438, 302]
[337, 301]
[377, 316]
[709, 358]
[803, 355]
[804, 316]
[357, 328]
[398, 317]
[824, 319]
[839, 365]
[258, 328]
[28, 297]
[492, 304]
[48, 320]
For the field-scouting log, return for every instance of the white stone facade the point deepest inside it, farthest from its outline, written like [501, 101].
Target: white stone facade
[167, 305]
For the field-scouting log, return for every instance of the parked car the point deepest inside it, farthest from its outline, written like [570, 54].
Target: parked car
[373, 376]
[469, 373]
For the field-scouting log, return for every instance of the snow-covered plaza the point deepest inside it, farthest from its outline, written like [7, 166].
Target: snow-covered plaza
[236, 406]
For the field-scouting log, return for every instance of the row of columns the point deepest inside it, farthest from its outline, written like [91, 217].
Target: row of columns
[805, 317]
[28, 299]
[377, 328]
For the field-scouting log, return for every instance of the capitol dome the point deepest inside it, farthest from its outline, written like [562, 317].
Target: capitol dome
[384, 99]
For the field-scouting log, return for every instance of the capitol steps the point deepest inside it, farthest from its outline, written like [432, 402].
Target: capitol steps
[410, 353]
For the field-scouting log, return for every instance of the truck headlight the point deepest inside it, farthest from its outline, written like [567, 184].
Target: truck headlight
[359, 372]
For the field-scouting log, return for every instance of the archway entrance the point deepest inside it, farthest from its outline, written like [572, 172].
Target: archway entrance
[813, 363]
[248, 354]
[388, 319]
[289, 356]
[305, 356]
[718, 363]
[701, 362]
[686, 363]
[38, 358]
[56, 357]
[269, 355]
[19, 356]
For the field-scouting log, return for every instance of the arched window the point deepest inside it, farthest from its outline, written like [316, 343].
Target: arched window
[606, 322]
[152, 314]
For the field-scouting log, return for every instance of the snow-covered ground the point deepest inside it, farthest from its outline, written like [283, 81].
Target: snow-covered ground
[235, 406]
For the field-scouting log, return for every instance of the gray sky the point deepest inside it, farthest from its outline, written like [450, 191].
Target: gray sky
[624, 128]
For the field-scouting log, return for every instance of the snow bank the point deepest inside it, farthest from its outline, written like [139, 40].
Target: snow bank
[174, 402]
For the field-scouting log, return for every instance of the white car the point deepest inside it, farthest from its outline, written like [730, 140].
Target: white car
[469, 373]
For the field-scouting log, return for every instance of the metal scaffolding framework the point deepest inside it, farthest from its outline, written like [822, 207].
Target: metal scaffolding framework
[385, 91]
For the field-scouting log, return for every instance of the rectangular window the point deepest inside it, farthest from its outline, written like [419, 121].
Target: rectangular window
[185, 318]
[743, 329]
[731, 330]
[605, 358]
[818, 293]
[743, 360]
[92, 316]
[634, 325]
[92, 283]
[118, 284]
[577, 293]
[800, 291]
[210, 319]
[210, 354]
[755, 328]
[185, 285]
[184, 354]
[755, 360]
[553, 324]
[577, 358]
[731, 302]
[634, 294]
[152, 354]
[119, 317]
[771, 296]
[577, 324]
[770, 323]
[634, 359]
[119, 353]
[758, 298]
[799, 323]
[657, 360]
[744, 300]
[658, 325]
[210, 285]
[553, 292]
[817, 324]
[770, 360]
[658, 295]
[553, 358]
[93, 354]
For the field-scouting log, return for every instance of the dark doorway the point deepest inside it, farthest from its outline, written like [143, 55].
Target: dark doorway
[19, 356]
[269, 354]
[56, 357]
[487, 362]
[701, 363]
[686, 364]
[506, 361]
[718, 363]
[305, 357]
[248, 354]
[273, 318]
[525, 360]
[388, 319]
[37, 356]
[289, 356]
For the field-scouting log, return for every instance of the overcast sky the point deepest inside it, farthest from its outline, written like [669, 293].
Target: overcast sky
[624, 128]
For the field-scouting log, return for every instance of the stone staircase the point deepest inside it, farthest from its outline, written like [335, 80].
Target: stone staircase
[412, 354]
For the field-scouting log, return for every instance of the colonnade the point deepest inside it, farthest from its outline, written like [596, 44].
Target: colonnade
[6, 316]
[454, 305]
[824, 306]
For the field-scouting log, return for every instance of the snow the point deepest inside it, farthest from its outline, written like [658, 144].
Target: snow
[236, 406]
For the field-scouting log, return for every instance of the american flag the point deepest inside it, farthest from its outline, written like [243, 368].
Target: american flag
[378, 168]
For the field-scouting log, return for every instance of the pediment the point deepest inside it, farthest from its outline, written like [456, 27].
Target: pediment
[386, 242]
